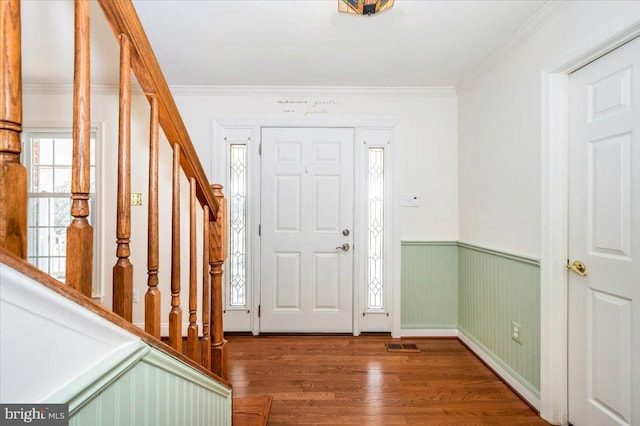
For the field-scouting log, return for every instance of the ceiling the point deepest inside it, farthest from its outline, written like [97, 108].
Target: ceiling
[283, 43]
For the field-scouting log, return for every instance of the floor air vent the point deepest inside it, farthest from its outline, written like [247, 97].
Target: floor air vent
[402, 347]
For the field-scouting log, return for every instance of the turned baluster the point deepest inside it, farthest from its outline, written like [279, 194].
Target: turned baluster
[217, 255]
[79, 260]
[205, 341]
[13, 175]
[152, 297]
[192, 330]
[123, 269]
[175, 315]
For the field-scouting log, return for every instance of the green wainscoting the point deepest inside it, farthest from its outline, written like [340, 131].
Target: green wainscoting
[152, 388]
[479, 292]
[429, 285]
[495, 289]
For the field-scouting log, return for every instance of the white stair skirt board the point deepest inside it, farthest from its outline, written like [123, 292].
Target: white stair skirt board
[525, 393]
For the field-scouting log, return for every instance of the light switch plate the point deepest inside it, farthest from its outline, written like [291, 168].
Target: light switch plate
[136, 198]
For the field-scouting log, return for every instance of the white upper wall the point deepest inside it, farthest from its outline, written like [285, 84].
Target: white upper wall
[499, 129]
[425, 139]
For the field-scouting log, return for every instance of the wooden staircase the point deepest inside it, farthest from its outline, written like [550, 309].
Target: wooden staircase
[205, 347]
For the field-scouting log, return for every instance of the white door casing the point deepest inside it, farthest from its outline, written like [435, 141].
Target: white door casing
[306, 204]
[604, 220]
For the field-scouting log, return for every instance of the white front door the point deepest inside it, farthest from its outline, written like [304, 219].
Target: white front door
[604, 233]
[306, 251]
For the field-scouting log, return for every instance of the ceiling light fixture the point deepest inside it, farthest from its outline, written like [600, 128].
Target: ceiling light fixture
[364, 7]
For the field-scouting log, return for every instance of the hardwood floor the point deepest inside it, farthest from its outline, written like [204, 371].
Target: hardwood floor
[354, 380]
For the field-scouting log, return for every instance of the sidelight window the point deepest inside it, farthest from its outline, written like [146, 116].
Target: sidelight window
[237, 226]
[375, 229]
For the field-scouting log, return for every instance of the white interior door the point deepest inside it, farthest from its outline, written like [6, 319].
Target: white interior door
[604, 233]
[306, 218]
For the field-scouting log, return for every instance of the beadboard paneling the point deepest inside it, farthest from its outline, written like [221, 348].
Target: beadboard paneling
[155, 390]
[495, 289]
[478, 291]
[429, 285]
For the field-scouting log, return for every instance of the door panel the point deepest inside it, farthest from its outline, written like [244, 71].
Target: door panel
[307, 200]
[604, 219]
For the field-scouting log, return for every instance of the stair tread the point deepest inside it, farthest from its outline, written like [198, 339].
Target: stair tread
[251, 410]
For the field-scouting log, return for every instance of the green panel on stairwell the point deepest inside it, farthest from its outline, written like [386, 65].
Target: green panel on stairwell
[153, 390]
[429, 285]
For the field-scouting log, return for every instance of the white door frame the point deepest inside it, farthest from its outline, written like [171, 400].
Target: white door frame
[219, 174]
[554, 125]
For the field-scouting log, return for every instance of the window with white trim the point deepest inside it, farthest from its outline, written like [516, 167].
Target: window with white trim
[47, 157]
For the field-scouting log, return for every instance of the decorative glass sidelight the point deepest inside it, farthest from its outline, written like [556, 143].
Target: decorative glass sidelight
[237, 226]
[375, 229]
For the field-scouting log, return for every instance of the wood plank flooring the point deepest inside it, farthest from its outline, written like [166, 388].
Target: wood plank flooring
[335, 380]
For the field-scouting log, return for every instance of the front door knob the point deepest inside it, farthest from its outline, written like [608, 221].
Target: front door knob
[344, 247]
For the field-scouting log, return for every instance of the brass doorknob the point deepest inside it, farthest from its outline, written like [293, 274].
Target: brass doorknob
[578, 267]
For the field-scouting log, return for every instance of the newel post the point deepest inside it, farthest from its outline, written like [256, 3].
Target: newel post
[217, 255]
[13, 175]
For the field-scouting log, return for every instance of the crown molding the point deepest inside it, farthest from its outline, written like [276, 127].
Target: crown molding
[67, 89]
[185, 90]
[531, 26]
[206, 90]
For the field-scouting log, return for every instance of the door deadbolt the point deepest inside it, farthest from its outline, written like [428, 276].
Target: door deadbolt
[345, 232]
[344, 247]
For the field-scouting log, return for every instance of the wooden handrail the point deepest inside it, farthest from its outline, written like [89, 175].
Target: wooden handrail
[135, 55]
[123, 19]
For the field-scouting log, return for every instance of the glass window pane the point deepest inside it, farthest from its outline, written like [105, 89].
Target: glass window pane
[375, 230]
[42, 151]
[58, 265]
[43, 179]
[92, 180]
[42, 242]
[237, 225]
[92, 148]
[32, 246]
[62, 179]
[61, 211]
[33, 208]
[40, 212]
[43, 263]
[58, 242]
[63, 151]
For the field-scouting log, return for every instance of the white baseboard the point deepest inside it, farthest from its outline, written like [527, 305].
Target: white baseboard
[525, 393]
[429, 332]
